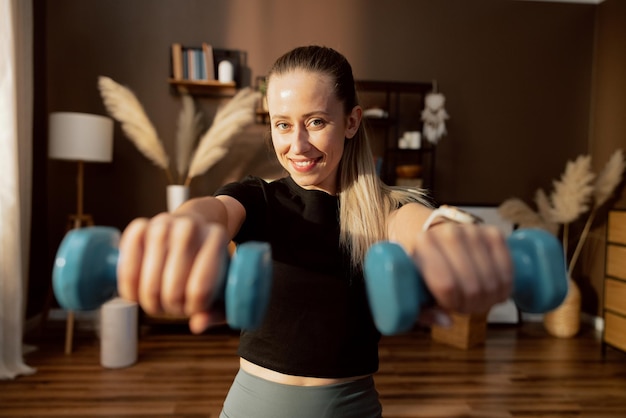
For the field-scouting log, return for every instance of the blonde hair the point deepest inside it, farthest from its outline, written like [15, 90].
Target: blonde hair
[365, 202]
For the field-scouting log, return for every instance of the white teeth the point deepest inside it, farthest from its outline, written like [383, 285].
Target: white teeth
[303, 163]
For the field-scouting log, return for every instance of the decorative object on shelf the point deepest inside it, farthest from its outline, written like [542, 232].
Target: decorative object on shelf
[392, 115]
[376, 113]
[225, 72]
[409, 171]
[213, 145]
[410, 140]
[434, 116]
[79, 137]
[579, 191]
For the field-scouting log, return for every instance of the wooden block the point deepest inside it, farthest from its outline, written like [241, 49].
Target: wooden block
[615, 295]
[466, 331]
[617, 227]
[616, 261]
[615, 330]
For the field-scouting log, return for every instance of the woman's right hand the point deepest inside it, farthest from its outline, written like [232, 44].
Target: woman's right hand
[173, 264]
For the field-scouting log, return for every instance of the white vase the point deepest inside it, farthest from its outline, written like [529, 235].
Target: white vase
[176, 195]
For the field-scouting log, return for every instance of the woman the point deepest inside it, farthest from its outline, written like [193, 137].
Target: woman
[316, 351]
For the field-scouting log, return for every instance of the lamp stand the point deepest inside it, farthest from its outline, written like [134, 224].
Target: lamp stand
[75, 221]
[79, 219]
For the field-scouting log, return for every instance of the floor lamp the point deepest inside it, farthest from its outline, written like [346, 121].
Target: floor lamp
[79, 137]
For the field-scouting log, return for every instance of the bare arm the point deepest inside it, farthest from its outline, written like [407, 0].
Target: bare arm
[223, 210]
[466, 267]
[171, 263]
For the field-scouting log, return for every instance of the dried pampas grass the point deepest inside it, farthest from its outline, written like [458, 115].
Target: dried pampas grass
[603, 189]
[545, 212]
[574, 194]
[609, 178]
[519, 213]
[189, 129]
[229, 120]
[122, 105]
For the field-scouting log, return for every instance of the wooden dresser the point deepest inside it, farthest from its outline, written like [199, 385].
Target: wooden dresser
[615, 282]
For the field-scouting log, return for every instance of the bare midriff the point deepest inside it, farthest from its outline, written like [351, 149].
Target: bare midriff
[287, 379]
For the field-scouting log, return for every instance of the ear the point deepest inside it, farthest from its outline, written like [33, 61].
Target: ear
[353, 121]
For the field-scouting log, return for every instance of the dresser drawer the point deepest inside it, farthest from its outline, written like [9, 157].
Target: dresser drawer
[616, 232]
[615, 330]
[615, 295]
[616, 261]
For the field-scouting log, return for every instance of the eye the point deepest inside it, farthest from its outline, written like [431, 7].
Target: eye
[282, 126]
[317, 123]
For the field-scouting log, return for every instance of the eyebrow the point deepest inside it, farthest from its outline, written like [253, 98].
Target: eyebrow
[306, 115]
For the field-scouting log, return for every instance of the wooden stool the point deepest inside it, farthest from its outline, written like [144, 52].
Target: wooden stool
[466, 331]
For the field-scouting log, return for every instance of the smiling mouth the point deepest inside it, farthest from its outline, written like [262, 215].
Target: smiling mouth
[305, 165]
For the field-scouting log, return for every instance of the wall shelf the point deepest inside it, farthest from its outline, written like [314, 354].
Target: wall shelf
[204, 87]
[402, 103]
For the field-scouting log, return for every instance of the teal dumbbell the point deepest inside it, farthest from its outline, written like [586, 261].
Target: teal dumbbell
[396, 291]
[84, 275]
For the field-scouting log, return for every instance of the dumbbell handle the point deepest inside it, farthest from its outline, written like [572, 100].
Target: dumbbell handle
[396, 291]
[85, 275]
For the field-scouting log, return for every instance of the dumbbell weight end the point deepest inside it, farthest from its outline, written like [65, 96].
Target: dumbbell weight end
[394, 288]
[540, 283]
[85, 275]
[396, 291]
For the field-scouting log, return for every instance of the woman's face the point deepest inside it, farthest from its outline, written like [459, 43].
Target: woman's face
[309, 127]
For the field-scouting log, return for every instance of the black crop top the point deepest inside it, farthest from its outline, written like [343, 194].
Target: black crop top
[318, 323]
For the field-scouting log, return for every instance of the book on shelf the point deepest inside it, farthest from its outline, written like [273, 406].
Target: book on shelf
[177, 61]
[199, 63]
[193, 63]
[209, 63]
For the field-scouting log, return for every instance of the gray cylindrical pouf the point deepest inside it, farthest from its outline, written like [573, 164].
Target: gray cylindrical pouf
[118, 338]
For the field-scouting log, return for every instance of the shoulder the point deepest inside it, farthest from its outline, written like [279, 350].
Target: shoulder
[406, 221]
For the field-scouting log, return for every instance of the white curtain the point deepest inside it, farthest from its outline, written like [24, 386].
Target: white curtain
[16, 110]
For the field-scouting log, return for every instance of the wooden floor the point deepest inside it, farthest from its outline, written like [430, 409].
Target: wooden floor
[518, 372]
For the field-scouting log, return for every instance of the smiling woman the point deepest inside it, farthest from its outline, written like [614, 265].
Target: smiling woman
[315, 352]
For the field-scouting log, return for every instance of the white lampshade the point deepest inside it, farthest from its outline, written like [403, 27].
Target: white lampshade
[80, 137]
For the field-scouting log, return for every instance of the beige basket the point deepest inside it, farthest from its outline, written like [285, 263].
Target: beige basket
[564, 321]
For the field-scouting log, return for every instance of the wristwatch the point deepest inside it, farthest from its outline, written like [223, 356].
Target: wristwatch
[450, 213]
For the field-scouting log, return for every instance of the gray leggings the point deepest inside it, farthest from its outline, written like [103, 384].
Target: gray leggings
[254, 397]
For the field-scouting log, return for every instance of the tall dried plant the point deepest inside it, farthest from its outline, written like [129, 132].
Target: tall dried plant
[603, 188]
[229, 120]
[122, 104]
[188, 132]
[573, 195]
[214, 144]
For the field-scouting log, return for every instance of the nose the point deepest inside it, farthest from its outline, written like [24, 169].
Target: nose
[300, 141]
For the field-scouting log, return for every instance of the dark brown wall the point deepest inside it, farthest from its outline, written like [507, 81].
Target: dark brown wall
[516, 74]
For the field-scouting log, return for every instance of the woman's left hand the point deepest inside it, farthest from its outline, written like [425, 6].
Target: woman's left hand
[466, 267]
